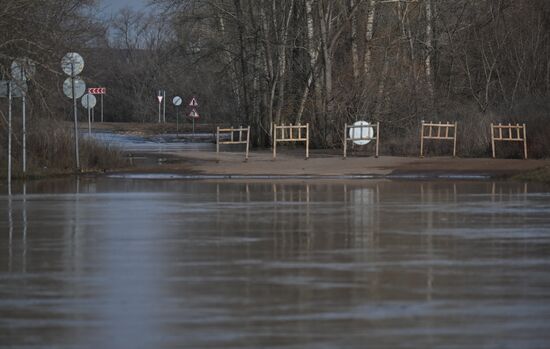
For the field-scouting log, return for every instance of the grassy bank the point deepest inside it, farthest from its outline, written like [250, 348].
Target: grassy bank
[50, 152]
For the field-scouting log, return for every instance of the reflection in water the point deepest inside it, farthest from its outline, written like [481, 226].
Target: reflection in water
[143, 264]
[24, 209]
[10, 232]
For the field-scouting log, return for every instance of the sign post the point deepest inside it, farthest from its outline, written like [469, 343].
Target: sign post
[98, 91]
[160, 97]
[10, 90]
[164, 106]
[74, 87]
[194, 114]
[177, 103]
[75, 113]
[9, 136]
[89, 101]
[23, 69]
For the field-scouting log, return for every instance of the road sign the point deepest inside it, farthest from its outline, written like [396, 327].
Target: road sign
[194, 114]
[79, 87]
[72, 64]
[361, 132]
[22, 69]
[97, 90]
[160, 99]
[194, 102]
[89, 99]
[177, 101]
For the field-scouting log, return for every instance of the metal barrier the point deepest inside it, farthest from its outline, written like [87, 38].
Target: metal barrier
[362, 137]
[287, 134]
[233, 140]
[506, 134]
[439, 131]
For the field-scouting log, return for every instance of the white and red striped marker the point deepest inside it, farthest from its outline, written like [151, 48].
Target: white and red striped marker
[97, 90]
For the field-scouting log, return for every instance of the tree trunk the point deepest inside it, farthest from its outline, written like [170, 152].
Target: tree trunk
[354, 46]
[380, 98]
[268, 64]
[242, 57]
[282, 63]
[313, 55]
[429, 49]
[368, 38]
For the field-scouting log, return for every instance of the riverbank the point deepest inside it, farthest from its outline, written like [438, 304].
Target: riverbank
[149, 152]
[292, 164]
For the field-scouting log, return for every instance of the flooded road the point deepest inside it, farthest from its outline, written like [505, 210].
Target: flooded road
[119, 263]
[130, 143]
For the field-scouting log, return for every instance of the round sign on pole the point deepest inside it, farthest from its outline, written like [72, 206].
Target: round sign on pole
[361, 134]
[177, 101]
[79, 87]
[72, 64]
[22, 69]
[89, 98]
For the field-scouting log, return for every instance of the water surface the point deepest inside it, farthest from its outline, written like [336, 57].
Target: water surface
[119, 263]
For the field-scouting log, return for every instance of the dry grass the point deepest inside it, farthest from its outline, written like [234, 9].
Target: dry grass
[50, 151]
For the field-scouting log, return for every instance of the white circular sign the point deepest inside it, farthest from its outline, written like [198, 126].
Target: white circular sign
[22, 69]
[177, 101]
[360, 133]
[72, 64]
[88, 99]
[79, 87]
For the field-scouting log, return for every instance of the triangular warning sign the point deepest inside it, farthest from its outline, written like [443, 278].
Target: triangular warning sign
[159, 98]
[193, 103]
[194, 114]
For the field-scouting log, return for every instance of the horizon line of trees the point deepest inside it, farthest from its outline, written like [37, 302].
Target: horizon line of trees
[327, 62]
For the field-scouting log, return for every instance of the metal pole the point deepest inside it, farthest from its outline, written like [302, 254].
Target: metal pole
[247, 142]
[160, 102]
[422, 139]
[89, 115]
[177, 121]
[193, 126]
[345, 140]
[9, 137]
[102, 107]
[24, 111]
[75, 112]
[218, 144]
[307, 140]
[493, 140]
[524, 141]
[164, 106]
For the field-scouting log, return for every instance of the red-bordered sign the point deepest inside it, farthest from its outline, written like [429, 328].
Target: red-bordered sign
[194, 114]
[97, 90]
[194, 102]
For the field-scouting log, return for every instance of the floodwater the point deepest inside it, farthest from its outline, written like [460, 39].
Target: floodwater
[130, 143]
[120, 263]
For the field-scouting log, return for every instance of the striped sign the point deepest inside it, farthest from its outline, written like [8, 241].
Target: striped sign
[97, 90]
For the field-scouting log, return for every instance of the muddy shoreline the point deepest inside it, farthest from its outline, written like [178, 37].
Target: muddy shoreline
[292, 164]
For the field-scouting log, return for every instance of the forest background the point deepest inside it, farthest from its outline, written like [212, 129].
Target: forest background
[323, 62]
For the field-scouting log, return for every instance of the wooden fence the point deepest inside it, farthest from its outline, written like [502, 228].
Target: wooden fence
[290, 133]
[362, 137]
[439, 131]
[233, 132]
[509, 133]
